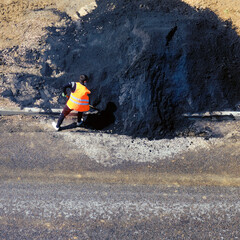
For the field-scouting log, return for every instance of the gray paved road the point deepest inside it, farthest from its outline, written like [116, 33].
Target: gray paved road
[31, 210]
[51, 187]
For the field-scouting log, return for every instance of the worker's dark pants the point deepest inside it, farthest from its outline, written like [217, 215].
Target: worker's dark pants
[66, 110]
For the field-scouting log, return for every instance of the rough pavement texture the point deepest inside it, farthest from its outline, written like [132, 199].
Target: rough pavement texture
[30, 143]
[54, 211]
[84, 184]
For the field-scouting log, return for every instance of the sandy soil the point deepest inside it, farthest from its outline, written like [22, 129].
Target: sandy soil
[226, 10]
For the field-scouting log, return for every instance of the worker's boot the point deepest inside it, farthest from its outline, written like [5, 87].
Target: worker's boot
[80, 123]
[55, 126]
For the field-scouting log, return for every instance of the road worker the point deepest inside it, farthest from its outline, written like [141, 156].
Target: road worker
[78, 101]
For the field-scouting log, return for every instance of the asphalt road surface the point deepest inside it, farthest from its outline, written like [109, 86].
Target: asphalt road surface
[93, 211]
[54, 187]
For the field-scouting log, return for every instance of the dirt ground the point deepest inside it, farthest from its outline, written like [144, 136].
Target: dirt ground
[85, 184]
[206, 154]
[226, 10]
[14, 14]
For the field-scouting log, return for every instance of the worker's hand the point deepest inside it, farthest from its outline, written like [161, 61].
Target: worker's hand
[64, 95]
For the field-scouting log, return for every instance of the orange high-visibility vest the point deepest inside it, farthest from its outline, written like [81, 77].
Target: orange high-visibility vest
[79, 100]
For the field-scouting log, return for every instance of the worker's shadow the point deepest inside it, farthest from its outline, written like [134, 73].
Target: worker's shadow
[101, 119]
[96, 120]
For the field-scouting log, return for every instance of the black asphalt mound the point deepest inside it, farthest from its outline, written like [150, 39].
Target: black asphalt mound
[155, 60]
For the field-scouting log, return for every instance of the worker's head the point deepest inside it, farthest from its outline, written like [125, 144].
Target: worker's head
[83, 79]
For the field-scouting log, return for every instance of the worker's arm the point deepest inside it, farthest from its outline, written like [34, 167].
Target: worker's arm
[88, 91]
[71, 85]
